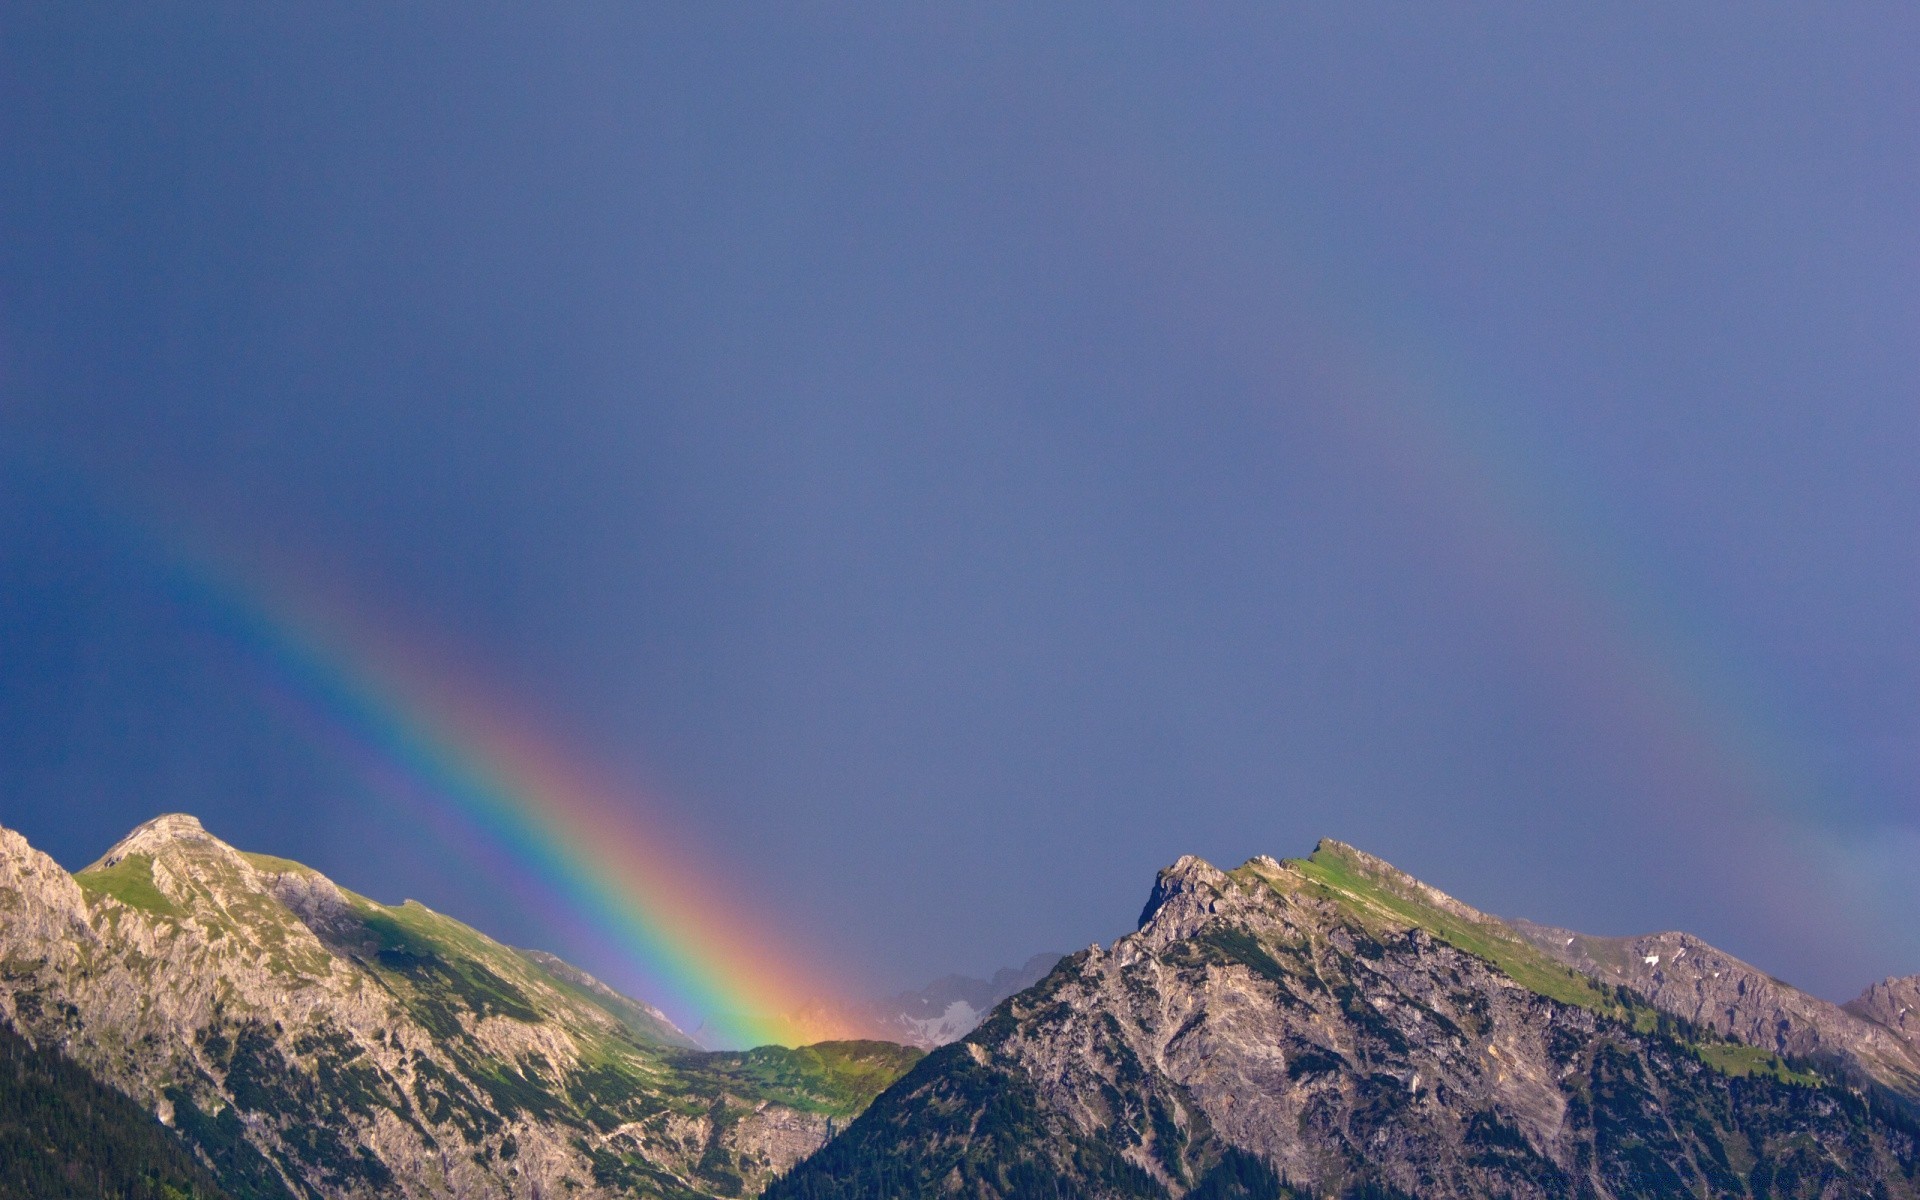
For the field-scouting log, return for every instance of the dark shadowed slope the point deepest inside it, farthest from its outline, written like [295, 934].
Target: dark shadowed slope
[65, 1136]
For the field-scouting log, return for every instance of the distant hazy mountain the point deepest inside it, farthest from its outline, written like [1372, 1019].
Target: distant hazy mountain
[308, 1042]
[949, 1008]
[943, 1011]
[1333, 1027]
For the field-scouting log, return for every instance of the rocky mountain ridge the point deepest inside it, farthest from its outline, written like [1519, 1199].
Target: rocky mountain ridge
[309, 1042]
[1685, 976]
[1327, 1026]
[1332, 1027]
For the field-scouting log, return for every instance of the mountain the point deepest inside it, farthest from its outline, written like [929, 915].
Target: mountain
[182, 1019]
[309, 1042]
[943, 1011]
[1333, 1027]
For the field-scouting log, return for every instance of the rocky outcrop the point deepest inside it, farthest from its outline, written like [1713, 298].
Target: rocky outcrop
[310, 1042]
[1351, 1032]
[1893, 1004]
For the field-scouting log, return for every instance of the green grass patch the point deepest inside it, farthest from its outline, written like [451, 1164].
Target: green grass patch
[277, 866]
[1376, 899]
[835, 1079]
[1739, 1060]
[130, 881]
[446, 969]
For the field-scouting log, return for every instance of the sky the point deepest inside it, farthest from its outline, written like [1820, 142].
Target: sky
[936, 465]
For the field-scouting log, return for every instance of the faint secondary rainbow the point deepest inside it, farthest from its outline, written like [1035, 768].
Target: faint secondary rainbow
[491, 782]
[1719, 756]
[1605, 640]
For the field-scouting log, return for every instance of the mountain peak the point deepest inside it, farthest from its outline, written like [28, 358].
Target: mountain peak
[1189, 877]
[163, 832]
[1333, 1026]
[173, 825]
[1355, 859]
[354, 1049]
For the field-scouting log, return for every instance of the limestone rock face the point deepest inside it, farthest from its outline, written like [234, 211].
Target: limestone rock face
[1354, 1032]
[1894, 1004]
[310, 1042]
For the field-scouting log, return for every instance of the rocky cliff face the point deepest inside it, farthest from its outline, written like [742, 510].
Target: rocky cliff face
[1351, 1032]
[1682, 975]
[311, 1042]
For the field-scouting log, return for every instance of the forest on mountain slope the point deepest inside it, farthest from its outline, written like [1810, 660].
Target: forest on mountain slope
[65, 1136]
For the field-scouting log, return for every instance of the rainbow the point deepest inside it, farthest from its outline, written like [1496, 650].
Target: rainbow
[1706, 753]
[522, 805]
[1687, 721]
[1598, 630]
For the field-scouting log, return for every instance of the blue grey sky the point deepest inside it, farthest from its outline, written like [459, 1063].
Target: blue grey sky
[958, 460]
